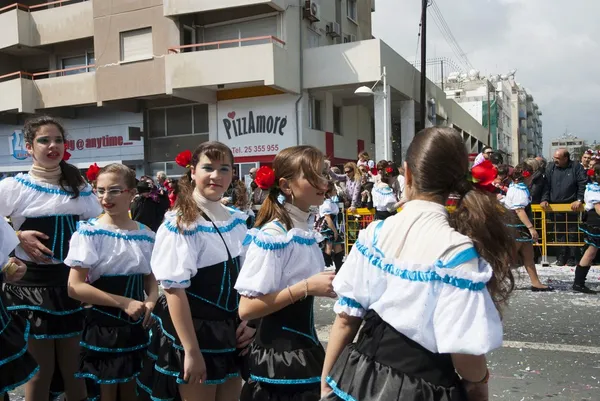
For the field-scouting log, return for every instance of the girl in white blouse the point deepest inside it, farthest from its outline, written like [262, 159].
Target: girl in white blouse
[427, 285]
[281, 275]
[110, 270]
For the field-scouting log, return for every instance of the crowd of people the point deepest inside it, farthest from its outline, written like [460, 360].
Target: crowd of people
[82, 264]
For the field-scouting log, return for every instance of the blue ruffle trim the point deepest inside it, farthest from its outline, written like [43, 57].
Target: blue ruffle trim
[309, 380]
[589, 233]
[55, 191]
[19, 384]
[21, 352]
[103, 381]
[272, 246]
[126, 237]
[40, 309]
[205, 229]
[337, 391]
[344, 301]
[56, 336]
[593, 187]
[105, 349]
[422, 276]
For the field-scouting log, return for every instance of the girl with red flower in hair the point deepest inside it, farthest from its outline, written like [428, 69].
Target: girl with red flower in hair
[385, 200]
[45, 206]
[197, 336]
[281, 275]
[518, 199]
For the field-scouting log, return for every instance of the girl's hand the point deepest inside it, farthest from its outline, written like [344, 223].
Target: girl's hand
[149, 305]
[320, 285]
[352, 210]
[135, 309]
[30, 242]
[244, 336]
[15, 270]
[194, 367]
[534, 234]
[325, 389]
[476, 391]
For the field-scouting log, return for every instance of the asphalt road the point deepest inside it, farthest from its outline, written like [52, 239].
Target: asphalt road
[552, 341]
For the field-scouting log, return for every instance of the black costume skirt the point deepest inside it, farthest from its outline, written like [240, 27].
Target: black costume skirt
[386, 365]
[383, 214]
[163, 367]
[41, 298]
[17, 366]
[591, 228]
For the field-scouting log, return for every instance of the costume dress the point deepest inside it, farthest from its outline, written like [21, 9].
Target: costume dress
[41, 297]
[421, 289]
[517, 197]
[204, 259]
[384, 200]
[591, 221]
[286, 358]
[16, 365]
[113, 344]
[330, 208]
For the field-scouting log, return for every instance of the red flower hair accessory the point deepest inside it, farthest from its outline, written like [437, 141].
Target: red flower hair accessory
[389, 170]
[589, 152]
[66, 154]
[265, 177]
[92, 172]
[184, 159]
[590, 172]
[525, 174]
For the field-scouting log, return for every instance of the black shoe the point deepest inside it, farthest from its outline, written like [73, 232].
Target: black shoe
[583, 289]
[538, 289]
[571, 262]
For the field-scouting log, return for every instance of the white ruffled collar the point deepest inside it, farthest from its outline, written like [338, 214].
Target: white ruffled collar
[298, 217]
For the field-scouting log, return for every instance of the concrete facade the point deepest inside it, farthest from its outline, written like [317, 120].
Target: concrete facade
[191, 71]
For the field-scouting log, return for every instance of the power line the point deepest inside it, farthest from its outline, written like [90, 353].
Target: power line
[448, 36]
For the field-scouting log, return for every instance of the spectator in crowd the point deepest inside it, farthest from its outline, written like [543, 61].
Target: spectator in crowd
[173, 190]
[485, 154]
[351, 177]
[565, 183]
[586, 158]
[161, 178]
[150, 205]
[258, 195]
[496, 158]
[365, 160]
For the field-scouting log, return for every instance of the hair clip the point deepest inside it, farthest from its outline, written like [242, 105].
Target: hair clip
[591, 173]
[389, 170]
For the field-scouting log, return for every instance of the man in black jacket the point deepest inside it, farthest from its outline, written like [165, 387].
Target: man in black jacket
[565, 183]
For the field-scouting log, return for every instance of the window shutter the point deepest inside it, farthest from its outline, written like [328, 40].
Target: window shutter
[136, 45]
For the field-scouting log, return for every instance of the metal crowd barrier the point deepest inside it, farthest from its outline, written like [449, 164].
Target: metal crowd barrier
[548, 224]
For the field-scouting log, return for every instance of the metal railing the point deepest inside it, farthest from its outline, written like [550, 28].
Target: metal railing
[45, 74]
[548, 224]
[219, 44]
[23, 7]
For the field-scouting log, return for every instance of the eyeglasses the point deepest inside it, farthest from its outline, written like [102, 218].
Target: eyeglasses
[112, 192]
[348, 171]
[488, 153]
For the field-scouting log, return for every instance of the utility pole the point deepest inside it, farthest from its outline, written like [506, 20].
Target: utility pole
[423, 108]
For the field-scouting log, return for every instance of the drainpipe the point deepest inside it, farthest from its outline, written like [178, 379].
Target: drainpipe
[301, 50]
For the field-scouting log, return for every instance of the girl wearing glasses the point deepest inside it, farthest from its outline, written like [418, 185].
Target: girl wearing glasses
[110, 269]
[45, 206]
[351, 177]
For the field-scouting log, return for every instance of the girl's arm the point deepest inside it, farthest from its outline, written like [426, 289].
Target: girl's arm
[181, 315]
[331, 225]
[151, 289]
[80, 290]
[471, 368]
[343, 331]
[338, 177]
[597, 208]
[356, 195]
[525, 220]
[257, 307]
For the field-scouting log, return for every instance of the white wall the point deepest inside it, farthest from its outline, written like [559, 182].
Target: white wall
[92, 123]
[475, 109]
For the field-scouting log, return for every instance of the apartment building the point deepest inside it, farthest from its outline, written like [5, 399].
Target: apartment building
[572, 143]
[138, 81]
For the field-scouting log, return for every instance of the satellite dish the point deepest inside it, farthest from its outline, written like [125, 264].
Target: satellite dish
[512, 72]
[463, 76]
[503, 77]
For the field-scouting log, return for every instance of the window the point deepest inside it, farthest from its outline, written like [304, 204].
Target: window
[177, 121]
[78, 61]
[136, 45]
[314, 114]
[351, 10]
[337, 120]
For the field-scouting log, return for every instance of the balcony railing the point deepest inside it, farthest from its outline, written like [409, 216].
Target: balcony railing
[47, 74]
[226, 44]
[19, 6]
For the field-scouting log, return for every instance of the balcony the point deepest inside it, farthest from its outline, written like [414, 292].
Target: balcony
[44, 24]
[25, 93]
[179, 7]
[230, 64]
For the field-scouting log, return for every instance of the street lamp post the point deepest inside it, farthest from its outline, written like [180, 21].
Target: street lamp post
[366, 91]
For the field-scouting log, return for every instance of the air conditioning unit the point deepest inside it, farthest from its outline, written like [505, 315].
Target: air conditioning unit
[349, 38]
[334, 30]
[372, 6]
[312, 11]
